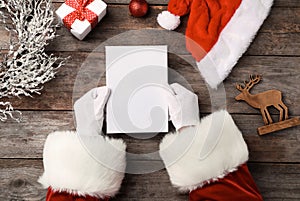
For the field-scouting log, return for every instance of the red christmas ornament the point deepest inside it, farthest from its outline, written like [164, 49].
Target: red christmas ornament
[138, 8]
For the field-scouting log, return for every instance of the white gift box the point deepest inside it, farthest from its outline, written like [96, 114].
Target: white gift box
[80, 29]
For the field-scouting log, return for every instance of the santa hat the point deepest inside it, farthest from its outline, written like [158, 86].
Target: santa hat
[218, 31]
[209, 160]
[81, 166]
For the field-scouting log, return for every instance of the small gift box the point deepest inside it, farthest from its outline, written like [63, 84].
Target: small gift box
[81, 16]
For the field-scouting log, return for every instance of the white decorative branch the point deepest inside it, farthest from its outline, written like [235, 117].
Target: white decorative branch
[26, 66]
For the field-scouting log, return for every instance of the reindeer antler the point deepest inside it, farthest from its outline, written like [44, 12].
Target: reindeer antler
[239, 87]
[248, 85]
[253, 80]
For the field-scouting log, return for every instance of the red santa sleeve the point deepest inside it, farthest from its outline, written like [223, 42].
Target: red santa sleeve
[209, 160]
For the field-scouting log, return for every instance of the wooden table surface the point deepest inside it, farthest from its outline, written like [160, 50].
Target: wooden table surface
[274, 158]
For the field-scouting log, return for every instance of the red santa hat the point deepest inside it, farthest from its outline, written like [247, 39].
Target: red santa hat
[223, 29]
[209, 160]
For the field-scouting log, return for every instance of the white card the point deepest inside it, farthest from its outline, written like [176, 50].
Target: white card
[137, 77]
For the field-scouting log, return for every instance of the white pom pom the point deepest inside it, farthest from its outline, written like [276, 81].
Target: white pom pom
[168, 20]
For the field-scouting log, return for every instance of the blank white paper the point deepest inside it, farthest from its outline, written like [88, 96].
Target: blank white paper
[137, 77]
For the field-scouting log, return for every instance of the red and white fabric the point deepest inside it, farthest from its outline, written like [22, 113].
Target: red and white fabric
[84, 165]
[218, 31]
[209, 160]
[78, 167]
[81, 16]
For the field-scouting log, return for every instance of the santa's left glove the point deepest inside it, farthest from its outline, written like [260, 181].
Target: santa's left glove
[84, 165]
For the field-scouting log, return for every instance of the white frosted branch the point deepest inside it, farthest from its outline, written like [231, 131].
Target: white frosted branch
[26, 67]
[6, 110]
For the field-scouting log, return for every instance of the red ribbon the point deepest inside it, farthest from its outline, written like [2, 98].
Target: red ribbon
[81, 13]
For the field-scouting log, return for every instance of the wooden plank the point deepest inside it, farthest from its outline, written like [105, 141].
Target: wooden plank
[269, 148]
[278, 36]
[277, 22]
[270, 179]
[280, 20]
[156, 2]
[281, 125]
[18, 181]
[26, 139]
[289, 3]
[275, 44]
[278, 73]
[267, 44]
[281, 3]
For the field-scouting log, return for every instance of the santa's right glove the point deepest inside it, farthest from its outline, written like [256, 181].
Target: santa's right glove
[209, 160]
[84, 165]
[183, 106]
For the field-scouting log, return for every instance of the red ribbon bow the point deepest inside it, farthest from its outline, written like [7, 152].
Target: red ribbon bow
[81, 13]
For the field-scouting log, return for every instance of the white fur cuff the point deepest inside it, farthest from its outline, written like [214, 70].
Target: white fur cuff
[198, 155]
[168, 20]
[86, 165]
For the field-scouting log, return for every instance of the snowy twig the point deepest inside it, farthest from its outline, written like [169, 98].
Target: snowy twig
[26, 66]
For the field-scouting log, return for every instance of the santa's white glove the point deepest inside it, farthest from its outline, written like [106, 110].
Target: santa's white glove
[84, 165]
[89, 111]
[183, 107]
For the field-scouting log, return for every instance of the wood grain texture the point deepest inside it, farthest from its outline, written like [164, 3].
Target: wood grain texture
[278, 73]
[278, 36]
[281, 125]
[18, 181]
[275, 53]
[26, 140]
[281, 3]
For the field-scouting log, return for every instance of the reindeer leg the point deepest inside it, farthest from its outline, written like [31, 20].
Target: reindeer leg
[281, 112]
[286, 110]
[268, 115]
[264, 116]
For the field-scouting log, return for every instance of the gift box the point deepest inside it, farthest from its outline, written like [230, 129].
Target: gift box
[81, 16]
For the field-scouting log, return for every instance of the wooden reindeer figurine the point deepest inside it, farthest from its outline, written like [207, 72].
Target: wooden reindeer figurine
[264, 100]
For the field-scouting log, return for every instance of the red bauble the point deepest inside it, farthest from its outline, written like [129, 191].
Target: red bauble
[138, 8]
